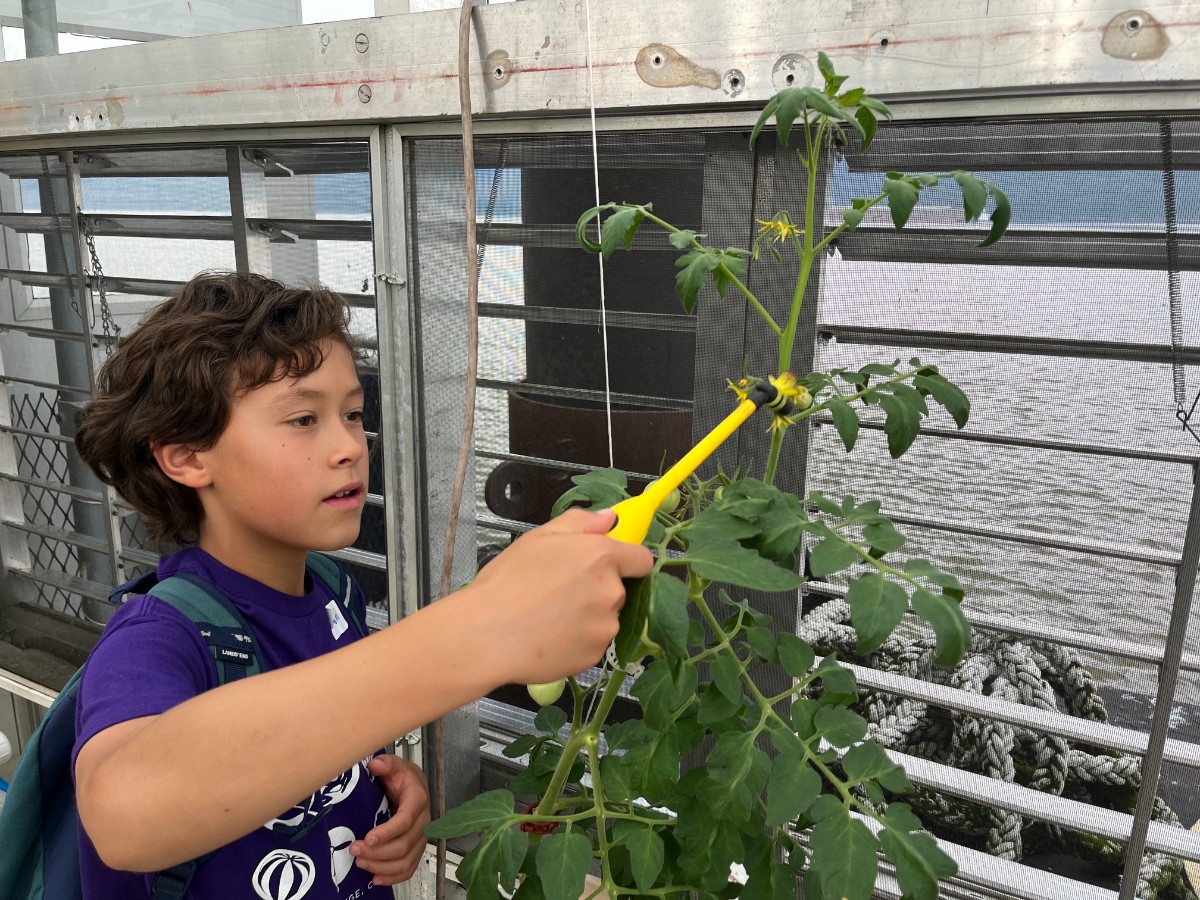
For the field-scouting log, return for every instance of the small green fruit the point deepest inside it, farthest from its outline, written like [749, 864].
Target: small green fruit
[671, 502]
[545, 694]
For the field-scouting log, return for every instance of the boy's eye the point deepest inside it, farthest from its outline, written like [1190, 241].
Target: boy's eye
[303, 421]
[354, 416]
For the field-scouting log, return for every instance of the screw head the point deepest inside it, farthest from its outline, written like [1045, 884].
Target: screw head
[364, 93]
[362, 43]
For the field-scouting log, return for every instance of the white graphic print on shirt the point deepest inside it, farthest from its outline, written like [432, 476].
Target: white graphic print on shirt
[300, 819]
[340, 839]
[284, 875]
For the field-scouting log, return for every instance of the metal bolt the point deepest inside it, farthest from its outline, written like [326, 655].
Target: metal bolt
[361, 43]
[364, 93]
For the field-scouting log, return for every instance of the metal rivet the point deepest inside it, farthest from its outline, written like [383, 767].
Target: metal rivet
[362, 43]
[364, 93]
[733, 82]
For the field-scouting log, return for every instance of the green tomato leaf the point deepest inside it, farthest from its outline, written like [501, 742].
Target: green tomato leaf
[902, 197]
[695, 265]
[949, 625]
[634, 617]
[948, 395]
[804, 718]
[737, 775]
[550, 719]
[832, 555]
[876, 106]
[669, 621]
[682, 239]
[902, 426]
[974, 194]
[868, 761]
[762, 642]
[715, 706]
[840, 727]
[791, 789]
[883, 536]
[727, 677]
[619, 228]
[563, 861]
[601, 489]
[709, 847]
[767, 879]
[494, 863]
[853, 218]
[1001, 215]
[868, 122]
[923, 568]
[839, 686]
[659, 693]
[646, 856]
[477, 814]
[723, 560]
[843, 864]
[795, 655]
[581, 226]
[919, 862]
[845, 420]
[876, 606]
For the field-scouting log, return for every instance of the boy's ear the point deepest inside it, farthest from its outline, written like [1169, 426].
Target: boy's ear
[181, 463]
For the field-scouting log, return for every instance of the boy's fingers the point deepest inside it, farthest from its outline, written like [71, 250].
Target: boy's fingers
[580, 521]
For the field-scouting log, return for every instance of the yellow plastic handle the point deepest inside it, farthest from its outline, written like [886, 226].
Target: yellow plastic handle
[635, 514]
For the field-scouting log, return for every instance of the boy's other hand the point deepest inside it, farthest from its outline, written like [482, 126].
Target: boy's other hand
[559, 593]
[392, 851]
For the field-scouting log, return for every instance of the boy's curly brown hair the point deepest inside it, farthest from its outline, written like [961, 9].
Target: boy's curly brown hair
[173, 380]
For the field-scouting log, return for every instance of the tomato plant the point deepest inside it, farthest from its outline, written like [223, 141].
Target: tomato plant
[789, 786]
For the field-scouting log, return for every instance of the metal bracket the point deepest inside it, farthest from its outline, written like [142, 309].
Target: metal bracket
[271, 168]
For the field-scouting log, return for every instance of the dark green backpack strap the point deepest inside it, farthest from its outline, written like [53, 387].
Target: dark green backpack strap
[232, 644]
[344, 590]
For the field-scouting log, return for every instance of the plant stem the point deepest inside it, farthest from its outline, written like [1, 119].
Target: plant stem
[576, 743]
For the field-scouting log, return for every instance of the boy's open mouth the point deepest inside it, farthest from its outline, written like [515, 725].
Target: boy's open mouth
[346, 493]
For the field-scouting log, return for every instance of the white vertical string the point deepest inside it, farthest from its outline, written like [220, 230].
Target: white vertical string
[587, 7]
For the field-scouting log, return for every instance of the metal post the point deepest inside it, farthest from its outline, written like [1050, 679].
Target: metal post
[69, 313]
[39, 18]
[1168, 675]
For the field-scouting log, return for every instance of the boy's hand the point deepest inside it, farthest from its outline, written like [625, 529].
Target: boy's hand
[558, 593]
[392, 851]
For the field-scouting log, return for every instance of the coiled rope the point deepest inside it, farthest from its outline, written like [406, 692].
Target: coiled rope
[1037, 674]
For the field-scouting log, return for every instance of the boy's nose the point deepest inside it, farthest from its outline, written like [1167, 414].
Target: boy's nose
[349, 447]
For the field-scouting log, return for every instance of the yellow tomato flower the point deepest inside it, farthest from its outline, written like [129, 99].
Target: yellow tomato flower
[741, 387]
[790, 389]
[779, 228]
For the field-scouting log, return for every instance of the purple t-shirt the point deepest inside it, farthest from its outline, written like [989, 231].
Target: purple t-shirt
[151, 657]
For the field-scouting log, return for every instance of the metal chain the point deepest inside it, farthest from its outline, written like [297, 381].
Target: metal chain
[110, 329]
[1174, 299]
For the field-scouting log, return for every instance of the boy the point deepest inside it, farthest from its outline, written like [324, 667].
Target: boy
[232, 420]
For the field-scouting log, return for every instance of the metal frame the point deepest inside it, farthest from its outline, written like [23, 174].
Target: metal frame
[937, 59]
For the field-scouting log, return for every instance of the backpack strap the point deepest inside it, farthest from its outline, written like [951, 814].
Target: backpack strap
[229, 639]
[345, 592]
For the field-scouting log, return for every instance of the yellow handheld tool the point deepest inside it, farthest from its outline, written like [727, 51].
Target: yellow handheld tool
[635, 514]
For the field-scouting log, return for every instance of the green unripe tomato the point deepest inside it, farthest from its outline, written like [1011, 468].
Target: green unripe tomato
[671, 502]
[545, 694]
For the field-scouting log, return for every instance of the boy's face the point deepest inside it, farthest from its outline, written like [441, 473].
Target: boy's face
[289, 473]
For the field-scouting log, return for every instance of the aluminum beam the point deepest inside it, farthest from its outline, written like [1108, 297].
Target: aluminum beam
[936, 57]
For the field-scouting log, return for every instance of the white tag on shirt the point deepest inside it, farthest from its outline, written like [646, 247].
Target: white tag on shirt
[337, 622]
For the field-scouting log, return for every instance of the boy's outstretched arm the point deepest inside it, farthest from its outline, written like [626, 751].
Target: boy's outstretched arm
[235, 756]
